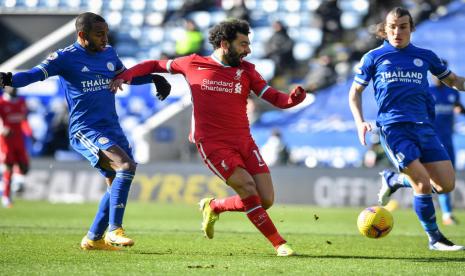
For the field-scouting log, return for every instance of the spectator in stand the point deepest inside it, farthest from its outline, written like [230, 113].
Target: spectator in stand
[192, 40]
[330, 17]
[239, 11]
[321, 74]
[187, 7]
[274, 150]
[279, 49]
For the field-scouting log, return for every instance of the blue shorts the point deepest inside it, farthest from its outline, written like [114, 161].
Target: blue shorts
[449, 146]
[88, 142]
[403, 143]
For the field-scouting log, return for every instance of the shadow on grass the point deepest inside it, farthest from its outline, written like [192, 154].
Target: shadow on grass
[439, 259]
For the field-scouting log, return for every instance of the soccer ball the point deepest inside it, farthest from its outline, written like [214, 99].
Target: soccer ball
[375, 222]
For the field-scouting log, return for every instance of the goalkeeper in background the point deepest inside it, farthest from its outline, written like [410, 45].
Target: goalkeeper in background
[86, 69]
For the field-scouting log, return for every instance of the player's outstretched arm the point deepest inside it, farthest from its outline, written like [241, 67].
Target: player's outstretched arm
[283, 100]
[454, 81]
[21, 79]
[355, 103]
[142, 69]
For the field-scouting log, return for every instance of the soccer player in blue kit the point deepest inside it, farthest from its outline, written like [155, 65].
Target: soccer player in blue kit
[405, 111]
[447, 103]
[86, 69]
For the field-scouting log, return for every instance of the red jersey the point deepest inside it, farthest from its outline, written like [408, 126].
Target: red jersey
[13, 116]
[219, 95]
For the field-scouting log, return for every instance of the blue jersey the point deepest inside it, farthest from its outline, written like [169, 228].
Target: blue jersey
[400, 82]
[85, 77]
[445, 101]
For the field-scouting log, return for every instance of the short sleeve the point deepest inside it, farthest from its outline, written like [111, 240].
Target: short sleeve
[364, 70]
[437, 67]
[119, 65]
[52, 65]
[257, 83]
[179, 65]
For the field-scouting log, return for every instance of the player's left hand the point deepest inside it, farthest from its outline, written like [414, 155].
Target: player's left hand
[297, 95]
[6, 79]
[162, 85]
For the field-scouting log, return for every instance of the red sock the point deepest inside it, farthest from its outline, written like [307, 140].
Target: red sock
[259, 217]
[232, 203]
[6, 183]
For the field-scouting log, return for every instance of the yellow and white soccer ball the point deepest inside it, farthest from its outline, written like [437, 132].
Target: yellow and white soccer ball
[375, 222]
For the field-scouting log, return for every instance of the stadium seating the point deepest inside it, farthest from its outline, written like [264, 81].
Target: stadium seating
[142, 30]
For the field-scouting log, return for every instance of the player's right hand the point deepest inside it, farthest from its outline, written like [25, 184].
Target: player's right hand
[362, 130]
[116, 84]
[297, 95]
[6, 79]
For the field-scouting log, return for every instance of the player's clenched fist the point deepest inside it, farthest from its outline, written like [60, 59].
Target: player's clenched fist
[297, 95]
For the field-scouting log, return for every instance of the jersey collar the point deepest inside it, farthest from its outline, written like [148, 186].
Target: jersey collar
[217, 60]
[78, 46]
[388, 45]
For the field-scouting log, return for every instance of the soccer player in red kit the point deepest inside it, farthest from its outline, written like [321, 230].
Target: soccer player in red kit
[13, 127]
[220, 85]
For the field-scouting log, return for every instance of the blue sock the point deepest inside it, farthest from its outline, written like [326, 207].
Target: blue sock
[100, 223]
[119, 197]
[424, 207]
[445, 203]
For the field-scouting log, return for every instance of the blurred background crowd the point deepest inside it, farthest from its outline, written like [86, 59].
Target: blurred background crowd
[314, 43]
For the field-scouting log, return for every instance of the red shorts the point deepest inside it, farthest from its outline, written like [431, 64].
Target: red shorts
[222, 157]
[13, 152]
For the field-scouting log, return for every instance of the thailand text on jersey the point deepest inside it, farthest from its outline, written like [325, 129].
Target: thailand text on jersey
[12, 115]
[219, 95]
[400, 81]
[86, 77]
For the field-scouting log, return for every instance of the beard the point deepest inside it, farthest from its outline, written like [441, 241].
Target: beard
[232, 57]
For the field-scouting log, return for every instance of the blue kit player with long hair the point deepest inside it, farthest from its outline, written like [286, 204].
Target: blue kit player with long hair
[86, 69]
[399, 71]
[447, 103]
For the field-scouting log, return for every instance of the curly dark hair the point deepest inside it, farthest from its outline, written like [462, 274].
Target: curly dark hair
[85, 20]
[397, 12]
[227, 30]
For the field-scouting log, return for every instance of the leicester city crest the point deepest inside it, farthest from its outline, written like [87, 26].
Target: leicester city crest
[110, 66]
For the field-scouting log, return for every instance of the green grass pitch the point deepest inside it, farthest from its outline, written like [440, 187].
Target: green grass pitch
[43, 238]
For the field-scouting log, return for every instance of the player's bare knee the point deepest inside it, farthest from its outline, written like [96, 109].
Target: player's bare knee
[423, 188]
[129, 166]
[267, 203]
[447, 188]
